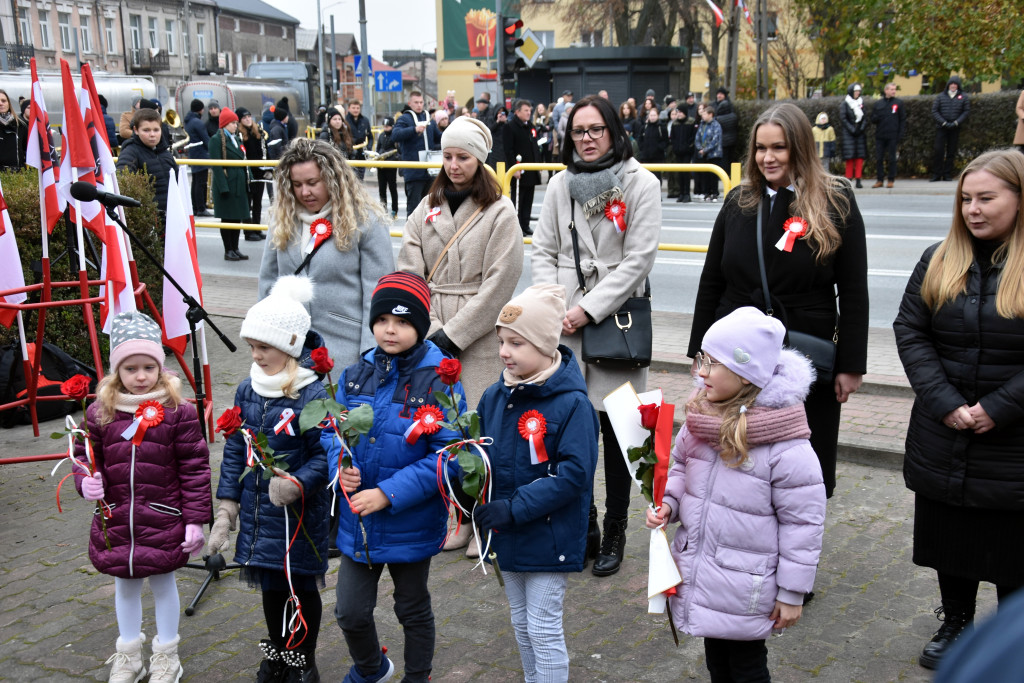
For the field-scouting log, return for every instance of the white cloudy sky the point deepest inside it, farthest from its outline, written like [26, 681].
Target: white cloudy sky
[390, 24]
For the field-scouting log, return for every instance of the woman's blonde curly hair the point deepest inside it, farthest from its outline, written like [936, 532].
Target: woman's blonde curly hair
[351, 204]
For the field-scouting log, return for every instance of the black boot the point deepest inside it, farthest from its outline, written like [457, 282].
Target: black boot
[954, 617]
[272, 667]
[612, 548]
[301, 667]
[593, 537]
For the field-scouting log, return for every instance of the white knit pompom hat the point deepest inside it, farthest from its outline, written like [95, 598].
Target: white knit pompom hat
[281, 320]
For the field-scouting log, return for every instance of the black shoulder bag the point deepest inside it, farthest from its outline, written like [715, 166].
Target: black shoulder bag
[821, 352]
[624, 339]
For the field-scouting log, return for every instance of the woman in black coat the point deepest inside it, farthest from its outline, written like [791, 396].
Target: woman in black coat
[652, 140]
[855, 146]
[960, 334]
[13, 136]
[785, 181]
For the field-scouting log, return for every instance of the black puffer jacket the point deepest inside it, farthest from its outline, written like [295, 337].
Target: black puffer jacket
[727, 119]
[854, 138]
[158, 163]
[652, 139]
[963, 353]
[946, 109]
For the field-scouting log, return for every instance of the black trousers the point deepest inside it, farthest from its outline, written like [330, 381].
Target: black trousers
[255, 203]
[958, 592]
[414, 191]
[736, 661]
[230, 237]
[947, 142]
[312, 612]
[387, 181]
[823, 419]
[885, 150]
[618, 484]
[200, 178]
[524, 195]
[673, 178]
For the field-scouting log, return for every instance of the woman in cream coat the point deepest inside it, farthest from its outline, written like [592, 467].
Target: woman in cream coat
[1018, 138]
[479, 272]
[598, 153]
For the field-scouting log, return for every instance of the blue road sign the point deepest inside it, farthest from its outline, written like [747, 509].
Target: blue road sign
[358, 61]
[388, 81]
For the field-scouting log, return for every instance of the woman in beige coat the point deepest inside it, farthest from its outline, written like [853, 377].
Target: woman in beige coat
[470, 282]
[601, 169]
[1018, 139]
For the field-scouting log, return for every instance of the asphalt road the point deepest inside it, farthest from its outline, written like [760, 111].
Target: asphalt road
[899, 228]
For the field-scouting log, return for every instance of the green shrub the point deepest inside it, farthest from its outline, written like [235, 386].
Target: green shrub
[65, 327]
[991, 124]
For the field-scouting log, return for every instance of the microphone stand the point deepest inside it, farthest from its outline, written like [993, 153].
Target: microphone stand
[212, 564]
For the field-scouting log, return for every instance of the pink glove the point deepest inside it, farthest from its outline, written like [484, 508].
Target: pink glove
[194, 539]
[92, 487]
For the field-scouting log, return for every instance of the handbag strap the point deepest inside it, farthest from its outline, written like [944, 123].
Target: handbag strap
[768, 310]
[451, 242]
[576, 253]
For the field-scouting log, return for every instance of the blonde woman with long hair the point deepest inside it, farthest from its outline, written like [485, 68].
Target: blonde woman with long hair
[960, 334]
[315, 188]
[814, 250]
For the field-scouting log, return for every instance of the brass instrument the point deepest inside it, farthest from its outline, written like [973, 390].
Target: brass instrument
[172, 119]
[374, 156]
[360, 145]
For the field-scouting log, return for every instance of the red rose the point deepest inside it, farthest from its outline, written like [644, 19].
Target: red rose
[230, 421]
[76, 388]
[649, 415]
[322, 363]
[449, 371]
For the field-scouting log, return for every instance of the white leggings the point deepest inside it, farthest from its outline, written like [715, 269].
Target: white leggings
[128, 605]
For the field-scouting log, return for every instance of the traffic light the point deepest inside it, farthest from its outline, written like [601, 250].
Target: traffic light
[511, 62]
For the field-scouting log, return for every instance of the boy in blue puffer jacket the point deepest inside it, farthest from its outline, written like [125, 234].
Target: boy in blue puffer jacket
[280, 383]
[540, 504]
[392, 484]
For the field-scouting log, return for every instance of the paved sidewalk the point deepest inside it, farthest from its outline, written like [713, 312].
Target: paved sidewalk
[871, 616]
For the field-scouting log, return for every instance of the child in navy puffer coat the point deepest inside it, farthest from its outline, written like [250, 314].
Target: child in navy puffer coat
[540, 504]
[397, 517]
[153, 472]
[746, 488]
[280, 383]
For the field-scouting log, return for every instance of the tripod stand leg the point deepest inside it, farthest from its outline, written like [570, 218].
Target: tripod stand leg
[213, 565]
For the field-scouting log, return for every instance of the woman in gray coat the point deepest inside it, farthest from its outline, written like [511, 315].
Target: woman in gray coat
[615, 263]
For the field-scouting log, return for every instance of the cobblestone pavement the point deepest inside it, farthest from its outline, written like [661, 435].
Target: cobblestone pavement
[871, 616]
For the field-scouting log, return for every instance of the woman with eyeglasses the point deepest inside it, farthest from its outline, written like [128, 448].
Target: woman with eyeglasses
[814, 251]
[615, 258]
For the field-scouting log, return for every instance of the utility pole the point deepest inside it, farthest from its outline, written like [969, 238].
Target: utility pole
[734, 48]
[762, 49]
[498, 28]
[334, 66]
[367, 63]
[320, 51]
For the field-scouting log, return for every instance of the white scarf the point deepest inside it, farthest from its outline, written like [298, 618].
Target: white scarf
[306, 220]
[129, 403]
[269, 386]
[857, 105]
[539, 378]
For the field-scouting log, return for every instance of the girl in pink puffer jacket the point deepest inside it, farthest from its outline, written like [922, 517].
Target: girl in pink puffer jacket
[747, 490]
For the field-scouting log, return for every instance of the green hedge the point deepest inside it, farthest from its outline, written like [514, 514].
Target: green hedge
[991, 124]
[65, 327]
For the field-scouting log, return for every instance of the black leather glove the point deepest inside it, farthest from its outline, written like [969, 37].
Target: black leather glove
[495, 515]
[444, 343]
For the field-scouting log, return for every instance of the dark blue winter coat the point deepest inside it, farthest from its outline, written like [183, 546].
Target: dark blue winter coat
[261, 524]
[410, 142]
[550, 501]
[196, 130]
[413, 527]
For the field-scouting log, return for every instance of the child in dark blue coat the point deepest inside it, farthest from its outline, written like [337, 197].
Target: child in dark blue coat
[271, 399]
[392, 484]
[543, 458]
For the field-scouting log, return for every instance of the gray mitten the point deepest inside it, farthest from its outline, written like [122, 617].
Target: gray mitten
[227, 516]
[284, 491]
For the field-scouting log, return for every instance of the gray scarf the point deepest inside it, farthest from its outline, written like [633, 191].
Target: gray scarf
[595, 184]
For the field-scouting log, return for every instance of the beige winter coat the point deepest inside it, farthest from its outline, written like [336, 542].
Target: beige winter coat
[1018, 139]
[476, 278]
[614, 265]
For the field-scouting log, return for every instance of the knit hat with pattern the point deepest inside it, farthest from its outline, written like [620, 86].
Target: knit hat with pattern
[281, 319]
[134, 333]
[405, 295]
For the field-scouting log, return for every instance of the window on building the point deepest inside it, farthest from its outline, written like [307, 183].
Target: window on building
[171, 39]
[45, 37]
[26, 26]
[772, 26]
[152, 31]
[545, 38]
[111, 35]
[592, 38]
[200, 39]
[284, 32]
[238, 26]
[84, 39]
[697, 38]
[135, 29]
[64, 28]
[263, 29]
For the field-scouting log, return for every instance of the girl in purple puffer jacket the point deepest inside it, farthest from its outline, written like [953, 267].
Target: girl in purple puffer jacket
[153, 472]
[747, 490]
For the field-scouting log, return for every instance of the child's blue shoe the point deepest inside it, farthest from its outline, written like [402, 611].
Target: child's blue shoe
[384, 673]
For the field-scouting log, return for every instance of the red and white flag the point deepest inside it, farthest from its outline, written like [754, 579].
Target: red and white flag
[746, 12]
[185, 194]
[179, 262]
[718, 12]
[11, 275]
[41, 154]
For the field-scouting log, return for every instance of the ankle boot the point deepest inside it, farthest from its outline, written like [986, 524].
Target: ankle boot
[272, 667]
[954, 617]
[164, 665]
[593, 537]
[300, 666]
[458, 539]
[128, 666]
[612, 548]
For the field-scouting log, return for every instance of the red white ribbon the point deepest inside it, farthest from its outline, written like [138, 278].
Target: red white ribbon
[427, 420]
[285, 423]
[795, 227]
[433, 214]
[147, 415]
[320, 231]
[615, 211]
[533, 427]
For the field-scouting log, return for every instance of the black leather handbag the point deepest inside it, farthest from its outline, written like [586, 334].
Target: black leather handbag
[821, 352]
[623, 340]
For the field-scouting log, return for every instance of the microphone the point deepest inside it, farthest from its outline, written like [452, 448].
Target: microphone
[87, 192]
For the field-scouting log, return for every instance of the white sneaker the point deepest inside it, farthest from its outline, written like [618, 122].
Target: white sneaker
[127, 661]
[164, 665]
